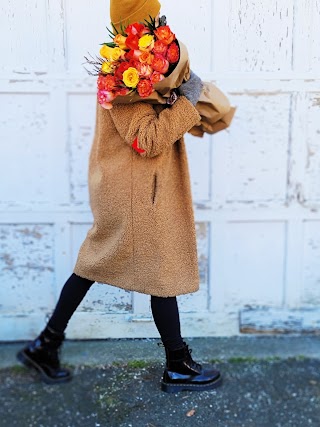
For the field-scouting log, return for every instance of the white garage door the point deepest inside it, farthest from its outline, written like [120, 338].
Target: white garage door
[256, 186]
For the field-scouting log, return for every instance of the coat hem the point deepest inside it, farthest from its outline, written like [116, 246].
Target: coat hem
[105, 280]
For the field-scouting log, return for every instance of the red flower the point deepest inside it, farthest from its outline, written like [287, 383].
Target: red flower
[135, 29]
[132, 42]
[134, 63]
[173, 53]
[145, 88]
[160, 48]
[135, 146]
[160, 64]
[133, 55]
[129, 55]
[122, 91]
[107, 82]
[120, 70]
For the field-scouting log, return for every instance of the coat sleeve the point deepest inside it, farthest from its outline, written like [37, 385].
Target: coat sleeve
[142, 127]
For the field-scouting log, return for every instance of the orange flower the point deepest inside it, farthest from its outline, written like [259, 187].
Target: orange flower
[120, 40]
[160, 48]
[144, 70]
[156, 77]
[165, 34]
[160, 64]
[107, 83]
[145, 88]
[146, 58]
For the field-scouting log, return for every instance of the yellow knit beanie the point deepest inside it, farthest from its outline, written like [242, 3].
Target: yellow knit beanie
[130, 11]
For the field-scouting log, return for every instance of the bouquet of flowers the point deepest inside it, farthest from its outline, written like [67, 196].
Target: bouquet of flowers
[146, 62]
[138, 57]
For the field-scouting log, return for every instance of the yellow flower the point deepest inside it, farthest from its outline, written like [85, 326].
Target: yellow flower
[120, 40]
[146, 42]
[111, 53]
[107, 67]
[131, 77]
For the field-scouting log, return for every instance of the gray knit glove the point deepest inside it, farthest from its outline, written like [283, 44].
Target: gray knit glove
[192, 88]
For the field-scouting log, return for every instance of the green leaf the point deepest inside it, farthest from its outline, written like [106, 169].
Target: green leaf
[116, 31]
[110, 33]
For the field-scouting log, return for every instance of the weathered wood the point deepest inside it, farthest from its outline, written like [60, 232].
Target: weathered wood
[280, 321]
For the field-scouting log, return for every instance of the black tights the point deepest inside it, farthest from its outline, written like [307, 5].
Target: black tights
[164, 310]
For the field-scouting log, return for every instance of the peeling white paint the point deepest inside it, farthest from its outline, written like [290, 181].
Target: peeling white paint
[26, 268]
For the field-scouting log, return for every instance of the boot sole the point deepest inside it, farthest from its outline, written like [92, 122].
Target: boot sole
[175, 388]
[25, 360]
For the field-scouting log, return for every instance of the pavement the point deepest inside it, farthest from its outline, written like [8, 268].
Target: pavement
[268, 381]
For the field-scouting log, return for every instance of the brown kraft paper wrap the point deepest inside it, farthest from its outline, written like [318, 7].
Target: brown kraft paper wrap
[213, 105]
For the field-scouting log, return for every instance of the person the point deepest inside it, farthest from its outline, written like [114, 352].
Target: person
[143, 235]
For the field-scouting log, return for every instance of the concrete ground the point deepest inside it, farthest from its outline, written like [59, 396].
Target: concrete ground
[269, 381]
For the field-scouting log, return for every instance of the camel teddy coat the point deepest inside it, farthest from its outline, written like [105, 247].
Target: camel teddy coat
[143, 237]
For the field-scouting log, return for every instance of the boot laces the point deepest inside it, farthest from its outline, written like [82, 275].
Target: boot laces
[194, 364]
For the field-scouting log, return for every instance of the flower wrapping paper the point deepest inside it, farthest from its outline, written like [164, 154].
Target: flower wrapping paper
[213, 106]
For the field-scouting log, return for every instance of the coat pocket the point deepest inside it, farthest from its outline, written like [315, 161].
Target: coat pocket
[154, 187]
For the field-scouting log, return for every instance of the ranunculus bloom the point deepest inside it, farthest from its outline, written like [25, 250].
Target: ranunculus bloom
[160, 48]
[160, 64]
[144, 70]
[132, 42]
[107, 83]
[146, 58]
[131, 77]
[156, 77]
[173, 53]
[145, 88]
[165, 34]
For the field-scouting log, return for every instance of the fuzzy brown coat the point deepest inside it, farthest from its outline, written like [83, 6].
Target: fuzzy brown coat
[143, 237]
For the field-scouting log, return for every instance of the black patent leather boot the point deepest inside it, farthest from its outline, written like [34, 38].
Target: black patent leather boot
[183, 373]
[42, 354]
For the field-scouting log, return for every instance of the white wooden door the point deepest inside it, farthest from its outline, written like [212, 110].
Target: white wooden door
[255, 186]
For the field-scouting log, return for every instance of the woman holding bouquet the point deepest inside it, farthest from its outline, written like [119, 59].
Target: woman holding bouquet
[143, 237]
